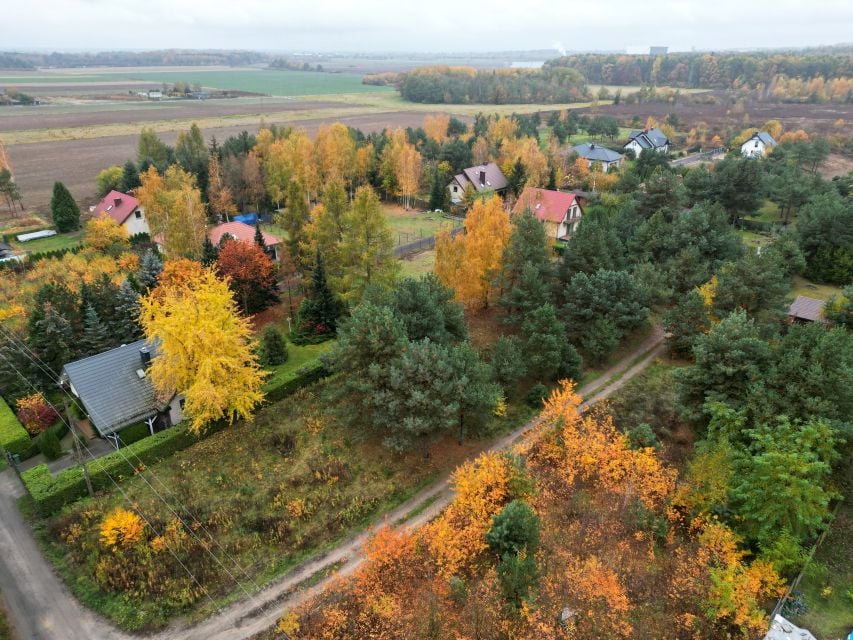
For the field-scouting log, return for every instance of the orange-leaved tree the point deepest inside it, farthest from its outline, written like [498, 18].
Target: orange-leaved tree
[470, 263]
[203, 350]
[249, 272]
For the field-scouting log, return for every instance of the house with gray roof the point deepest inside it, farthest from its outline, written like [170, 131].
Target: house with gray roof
[484, 178]
[115, 389]
[805, 309]
[593, 153]
[758, 145]
[653, 139]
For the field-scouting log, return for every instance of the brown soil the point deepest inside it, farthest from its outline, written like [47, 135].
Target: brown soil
[78, 162]
[836, 165]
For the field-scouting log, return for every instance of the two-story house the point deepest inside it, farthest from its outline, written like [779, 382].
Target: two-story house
[559, 211]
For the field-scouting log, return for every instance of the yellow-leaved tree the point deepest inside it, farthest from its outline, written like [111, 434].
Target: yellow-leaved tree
[105, 235]
[174, 210]
[203, 349]
[470, 262]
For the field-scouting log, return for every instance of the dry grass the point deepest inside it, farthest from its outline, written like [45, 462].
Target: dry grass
[419, 264]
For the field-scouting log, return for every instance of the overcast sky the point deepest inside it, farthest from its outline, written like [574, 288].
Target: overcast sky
[422, 25]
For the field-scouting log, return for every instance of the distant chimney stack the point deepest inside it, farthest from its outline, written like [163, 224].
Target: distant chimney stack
[591, 146]
[145, 357]
[117, 201]
[482, 177]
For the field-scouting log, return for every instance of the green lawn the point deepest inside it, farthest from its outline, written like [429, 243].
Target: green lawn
[53, 243]
[754, 239]
[298, 356]
[408, 226]
[803, 287]
[419, 264]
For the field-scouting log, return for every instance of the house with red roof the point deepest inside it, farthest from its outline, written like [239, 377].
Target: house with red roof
[125, 210]
[559, 211]
[243, 232]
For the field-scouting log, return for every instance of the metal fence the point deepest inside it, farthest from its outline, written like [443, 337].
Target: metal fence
[423, 244]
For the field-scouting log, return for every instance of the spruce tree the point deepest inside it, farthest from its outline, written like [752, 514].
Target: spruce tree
[52, 339]
[321, 308]
[209, 253]
[149, 269]
[127, 327]
[65, 212]
[259, 236]
[130, 177]
[273, 349]
[439, 196]
[95, 338]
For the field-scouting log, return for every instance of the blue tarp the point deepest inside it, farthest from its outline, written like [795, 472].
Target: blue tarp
[246, 218]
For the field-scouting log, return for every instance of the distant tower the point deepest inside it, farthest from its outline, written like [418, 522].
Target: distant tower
[658, 51]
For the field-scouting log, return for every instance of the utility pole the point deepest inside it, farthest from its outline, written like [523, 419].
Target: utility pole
[74, 436]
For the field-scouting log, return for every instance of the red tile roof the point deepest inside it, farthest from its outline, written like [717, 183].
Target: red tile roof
[239, 231]
[117, 205]
[545, 204]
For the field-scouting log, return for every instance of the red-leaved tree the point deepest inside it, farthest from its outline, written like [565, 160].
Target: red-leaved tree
[250, 273]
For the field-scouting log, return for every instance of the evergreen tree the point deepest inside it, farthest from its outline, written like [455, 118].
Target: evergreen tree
[294, 219]
[439, 196]
[514, 530]
[593, 246]
[508, 362]
[473, 389]
[319, 312]
[526, 272]
[600, 339]
[517, 178]
[209, 252]
[544, 341]
[259, 236]
[426, 308]
[127, 327]
[688, 319]
[571, 366]
[614, 295]
[150, 267]
[95, 338]
[51, 339]
[529, 292]
[273, 348]
[65, 212]
[130, 177]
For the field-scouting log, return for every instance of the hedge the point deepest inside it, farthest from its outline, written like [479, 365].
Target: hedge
[50, 493]
[13, 437]
[310, 376]
[59, 428]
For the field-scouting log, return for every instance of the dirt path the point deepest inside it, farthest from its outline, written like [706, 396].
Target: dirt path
[41, 607]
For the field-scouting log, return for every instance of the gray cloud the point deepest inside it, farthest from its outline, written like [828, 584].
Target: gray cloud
[436, 25]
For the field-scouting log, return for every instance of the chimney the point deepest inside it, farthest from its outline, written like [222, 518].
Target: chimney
[145, 357]
[482, 177]
[591, 146]
[117, 201]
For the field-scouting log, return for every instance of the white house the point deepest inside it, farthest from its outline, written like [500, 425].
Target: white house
[758, 145]
[125, 210]
[115, 389]
[559, 211]
[483, 178]
[641, 139]
[593, 153]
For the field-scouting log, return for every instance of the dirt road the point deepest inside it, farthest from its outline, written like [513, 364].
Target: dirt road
[42, 608]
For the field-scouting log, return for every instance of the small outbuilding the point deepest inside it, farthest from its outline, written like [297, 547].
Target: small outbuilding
[760, 144]
[782, 629]
[805, 309]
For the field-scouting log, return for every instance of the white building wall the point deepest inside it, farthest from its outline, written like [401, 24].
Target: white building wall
[135, 225]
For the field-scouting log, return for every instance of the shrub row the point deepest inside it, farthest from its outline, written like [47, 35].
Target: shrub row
[58, 429]
[13, 437]
[309, 376]
[50, 493]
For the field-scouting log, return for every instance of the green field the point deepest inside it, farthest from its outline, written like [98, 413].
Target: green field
[298, 356]
[271, 82]
[53, 243]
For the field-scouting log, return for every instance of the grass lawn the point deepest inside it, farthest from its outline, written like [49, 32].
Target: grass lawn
[53, 243]
[268, 494]
[408, 226]
[803, 287]
[829, 594]
[298, 357]
[418, 265]
[754, 239]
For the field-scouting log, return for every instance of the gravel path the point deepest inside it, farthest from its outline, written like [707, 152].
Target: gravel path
[41, 607]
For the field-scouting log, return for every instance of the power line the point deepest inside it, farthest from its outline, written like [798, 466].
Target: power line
[35, 359]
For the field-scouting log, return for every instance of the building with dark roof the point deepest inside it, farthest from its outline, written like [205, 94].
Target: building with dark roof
[115, 389]
[758, 145]
[805, 309]
[484, 178]
[641, 139]
[559, 211]
[125, 210]
[592, 153]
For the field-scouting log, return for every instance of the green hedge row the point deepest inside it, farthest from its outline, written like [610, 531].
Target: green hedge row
[13, 437]
[51, 493]
[281, 391]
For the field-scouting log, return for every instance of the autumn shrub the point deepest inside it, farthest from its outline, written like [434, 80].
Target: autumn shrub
[35, 413]
[121, 529]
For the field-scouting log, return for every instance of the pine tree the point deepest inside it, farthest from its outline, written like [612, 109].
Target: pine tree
[130, 177]
[529, 292]
[209, 253]
[127, 327]
[321, 308]
[544, 342]
[95, 338]
[688, 319]
[149, 269]
[65, 212]
[527, 249]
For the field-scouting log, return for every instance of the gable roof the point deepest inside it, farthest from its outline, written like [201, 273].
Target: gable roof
[806, 308]
[117, 205]
[494, 178]
[649, 138]
[239, 231]
[110, 389]
[545, 204]
[595, 152]
[765, 137]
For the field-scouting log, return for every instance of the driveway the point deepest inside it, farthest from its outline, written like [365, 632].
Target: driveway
[41, 606]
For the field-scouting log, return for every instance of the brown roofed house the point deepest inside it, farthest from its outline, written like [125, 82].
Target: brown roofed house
[484, 178]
